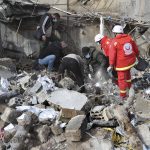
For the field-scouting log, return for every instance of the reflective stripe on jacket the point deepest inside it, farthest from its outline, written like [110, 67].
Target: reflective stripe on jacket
[123, 52]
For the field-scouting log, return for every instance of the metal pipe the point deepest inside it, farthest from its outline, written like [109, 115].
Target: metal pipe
[101, 25]
[62, 10]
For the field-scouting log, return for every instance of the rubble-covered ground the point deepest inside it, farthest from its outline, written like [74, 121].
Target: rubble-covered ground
[38, 112]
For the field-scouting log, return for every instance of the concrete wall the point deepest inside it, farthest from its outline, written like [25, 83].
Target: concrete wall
[76, 36]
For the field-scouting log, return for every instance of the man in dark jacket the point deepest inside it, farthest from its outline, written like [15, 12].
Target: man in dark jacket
[48, 23]
[95, 58]
[73, 64]
[52, 54]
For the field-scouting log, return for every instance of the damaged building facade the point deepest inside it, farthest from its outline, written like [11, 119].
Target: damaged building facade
[80, 18]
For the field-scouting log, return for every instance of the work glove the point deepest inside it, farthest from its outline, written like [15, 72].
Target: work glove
[109, 70]
[137, 61]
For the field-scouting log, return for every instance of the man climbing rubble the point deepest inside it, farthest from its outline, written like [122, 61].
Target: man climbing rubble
[48, 24]
[74, 66]
[122, 57]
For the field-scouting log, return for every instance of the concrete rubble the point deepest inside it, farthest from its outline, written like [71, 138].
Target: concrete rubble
[75, 128]
[42, 116]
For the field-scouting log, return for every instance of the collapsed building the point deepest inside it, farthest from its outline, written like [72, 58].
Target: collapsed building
[38, 112]
[81, 18]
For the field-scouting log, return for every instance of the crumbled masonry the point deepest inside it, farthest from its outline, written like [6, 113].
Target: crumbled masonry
[42, 116]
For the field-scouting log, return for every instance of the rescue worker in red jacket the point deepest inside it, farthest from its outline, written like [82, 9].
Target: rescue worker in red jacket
[123, 52]
[104, 41]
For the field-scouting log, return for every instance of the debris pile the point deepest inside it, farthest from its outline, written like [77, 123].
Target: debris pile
[37, 113]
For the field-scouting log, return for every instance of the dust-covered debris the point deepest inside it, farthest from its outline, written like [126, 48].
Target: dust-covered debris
[75, 128]
[41, 115]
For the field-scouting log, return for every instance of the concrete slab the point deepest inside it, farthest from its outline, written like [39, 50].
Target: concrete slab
[142, 105]
[68, 99]
[42, 96]
[144, 133]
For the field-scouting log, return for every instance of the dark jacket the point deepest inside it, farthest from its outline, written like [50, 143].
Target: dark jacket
[53, 48]
[73, 64]
[45, 22]
[97, 58]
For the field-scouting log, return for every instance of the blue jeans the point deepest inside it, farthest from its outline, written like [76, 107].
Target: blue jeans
[48, 60]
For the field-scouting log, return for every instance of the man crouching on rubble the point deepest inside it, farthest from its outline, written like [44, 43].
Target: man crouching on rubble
[122, 57]
[50, 55]
[94, 59]
[74, 66]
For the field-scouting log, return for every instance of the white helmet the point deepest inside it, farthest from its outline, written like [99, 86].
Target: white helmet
[98, 37]
[117, 29]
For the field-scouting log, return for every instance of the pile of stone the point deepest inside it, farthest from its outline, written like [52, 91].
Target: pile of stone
[38, 113]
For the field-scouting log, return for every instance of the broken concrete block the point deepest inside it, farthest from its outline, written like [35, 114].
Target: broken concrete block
[37, 86]
[16, 101]
[10, 128]
[24, 119]
[68, 99]
[36, 148]
[49, 145]
[10, 115]
[47, 115]
[95, 144]
[40, 106]
[12, 102]
[17, 142]
[96, 112]
[142, 105]
[34, 100]
[43, 133]
[56, 129]
[2, 146]
[60, 138]
[23, 81]
[42, 96]
[144, 133]
[8, 136]
[67, 83]
[7, 68]
[107, 114]
[67, 114]
[2, 123]
[34, 118]
[75, 128]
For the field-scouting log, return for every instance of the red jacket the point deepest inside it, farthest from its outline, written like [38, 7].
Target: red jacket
[123, 52]
[105, 43]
